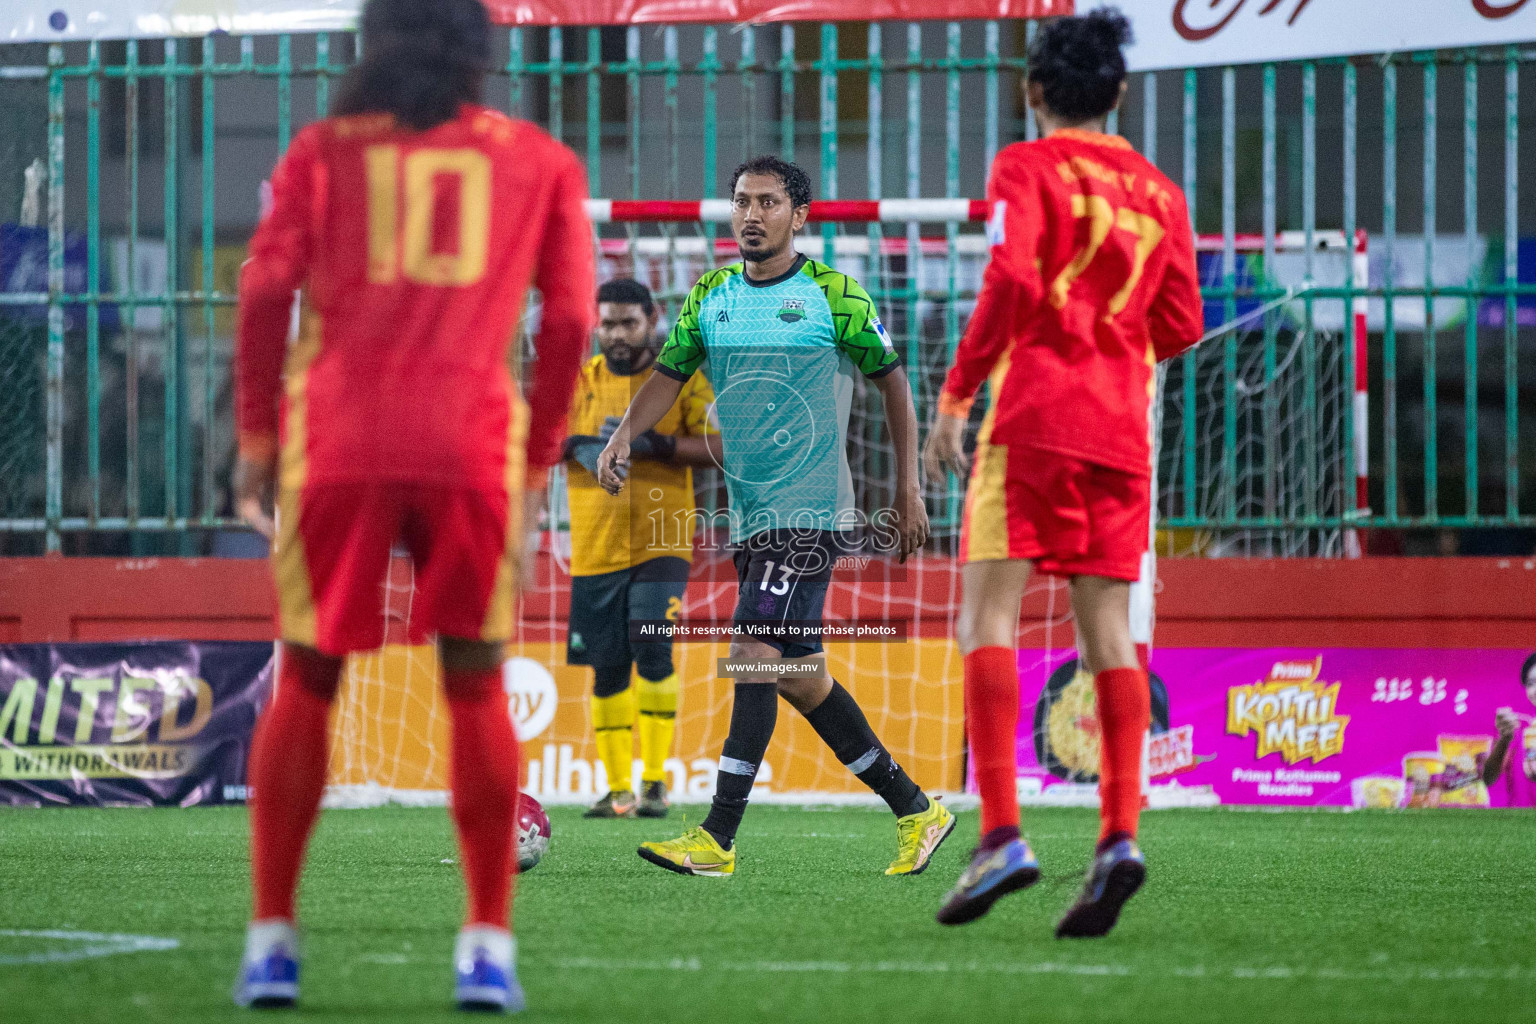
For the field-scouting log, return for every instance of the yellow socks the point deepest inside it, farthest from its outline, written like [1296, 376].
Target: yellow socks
[613, 722]
[658, 722]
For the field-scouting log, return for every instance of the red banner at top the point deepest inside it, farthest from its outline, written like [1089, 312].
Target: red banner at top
[64, 20]
[629, 12]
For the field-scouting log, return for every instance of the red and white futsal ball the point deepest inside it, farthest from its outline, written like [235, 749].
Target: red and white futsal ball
[532, 832]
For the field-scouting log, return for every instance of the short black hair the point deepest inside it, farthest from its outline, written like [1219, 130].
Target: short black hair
[1079, 63]
[796, 182]
[1525, 670]
[422, 59]
[628, 291]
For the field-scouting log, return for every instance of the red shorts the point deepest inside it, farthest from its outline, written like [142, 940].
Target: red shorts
[331, 562]
[1068, 516]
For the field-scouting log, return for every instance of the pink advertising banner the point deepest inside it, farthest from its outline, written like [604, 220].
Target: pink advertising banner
[1336, 727]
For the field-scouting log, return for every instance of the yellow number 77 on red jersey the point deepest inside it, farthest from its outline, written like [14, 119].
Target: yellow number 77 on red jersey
[1102, 219]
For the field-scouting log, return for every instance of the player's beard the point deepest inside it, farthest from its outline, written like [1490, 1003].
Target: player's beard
[625, 360]
[758, 251]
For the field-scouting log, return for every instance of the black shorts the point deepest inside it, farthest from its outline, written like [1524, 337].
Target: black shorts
[783, 577]
[603, 606]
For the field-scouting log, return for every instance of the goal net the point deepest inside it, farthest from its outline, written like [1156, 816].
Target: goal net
[921, 262]
[1252, 446]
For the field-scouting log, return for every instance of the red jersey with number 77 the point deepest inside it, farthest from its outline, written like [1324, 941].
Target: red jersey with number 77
[415, 252]
[1091, 282]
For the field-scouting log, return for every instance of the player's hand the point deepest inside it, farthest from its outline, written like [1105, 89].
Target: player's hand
[254, 492]
[911, 521]
[613, 465]
[945, 449]
[1506, 722]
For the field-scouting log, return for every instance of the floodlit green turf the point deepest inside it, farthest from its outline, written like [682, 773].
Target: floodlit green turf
[1247, 917]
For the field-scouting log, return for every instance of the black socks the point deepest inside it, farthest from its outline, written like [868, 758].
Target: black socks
[842, 726]
[754, 712]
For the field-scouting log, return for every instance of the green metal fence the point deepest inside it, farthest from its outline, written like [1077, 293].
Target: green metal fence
[154, 152]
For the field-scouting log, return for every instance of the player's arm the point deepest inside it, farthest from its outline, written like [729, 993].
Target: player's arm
[1176, 315]
[279, 262]
[693, 444]
[1011, 287]
[645, 410]
[679, 359]
[863, 339]
[901, 419]
[567, 279]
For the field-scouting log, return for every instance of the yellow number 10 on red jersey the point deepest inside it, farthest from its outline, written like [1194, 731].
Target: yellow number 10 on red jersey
[408, 253]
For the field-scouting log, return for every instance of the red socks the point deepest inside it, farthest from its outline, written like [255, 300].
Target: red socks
[484, 776]
[289, 756]
[991, 726]
[1125, 711]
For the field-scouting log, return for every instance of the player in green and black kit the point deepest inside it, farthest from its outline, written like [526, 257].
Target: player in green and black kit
[780, 338]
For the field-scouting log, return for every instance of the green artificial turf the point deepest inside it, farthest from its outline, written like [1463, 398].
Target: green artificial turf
[1246, 917]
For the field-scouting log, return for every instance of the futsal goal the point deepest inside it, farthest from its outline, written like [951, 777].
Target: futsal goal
[1252, 435]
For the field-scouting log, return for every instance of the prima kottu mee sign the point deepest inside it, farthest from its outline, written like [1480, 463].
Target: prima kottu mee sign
[1169, 33]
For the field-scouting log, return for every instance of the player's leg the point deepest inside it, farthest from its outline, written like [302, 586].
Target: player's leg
[922, 824]
[989, 618]
[709, 849]
[986, 632]
[598, 635]
[799, 597]
[286, 774]
[613, 729]
[1119, 509]
[466, 544]
[1122, 698]
[796, 592]
[484, 767]
[332, 551]
[656, 596]
[658, 692]
[1013, 515]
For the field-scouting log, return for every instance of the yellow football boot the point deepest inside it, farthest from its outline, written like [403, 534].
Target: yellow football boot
[695, 852]
[918, 836]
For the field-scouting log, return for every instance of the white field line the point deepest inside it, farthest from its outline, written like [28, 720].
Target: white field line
[1196, 972]
[89, 945]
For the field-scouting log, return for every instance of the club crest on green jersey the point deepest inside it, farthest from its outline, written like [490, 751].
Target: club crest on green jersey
[793, 311]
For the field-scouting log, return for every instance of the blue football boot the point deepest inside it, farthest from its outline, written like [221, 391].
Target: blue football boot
[991, 875]
[485, 968]
[1113, 877]
[269, 971]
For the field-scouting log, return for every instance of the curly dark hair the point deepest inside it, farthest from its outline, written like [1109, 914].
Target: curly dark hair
[796, 182]
[1079, 64]
[422, 59]
[1525, 670]
[627, 290]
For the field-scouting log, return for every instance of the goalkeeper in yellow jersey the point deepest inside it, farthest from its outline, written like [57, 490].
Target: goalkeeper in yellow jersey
[630, 553]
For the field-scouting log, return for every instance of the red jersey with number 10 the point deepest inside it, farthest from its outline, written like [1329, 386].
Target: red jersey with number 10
[415, 252]
[1092, 280]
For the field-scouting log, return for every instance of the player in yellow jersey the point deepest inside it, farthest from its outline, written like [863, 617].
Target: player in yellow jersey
[630, 553]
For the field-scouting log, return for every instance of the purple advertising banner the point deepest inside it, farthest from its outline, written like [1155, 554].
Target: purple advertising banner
[1303, 727]
[128, 724]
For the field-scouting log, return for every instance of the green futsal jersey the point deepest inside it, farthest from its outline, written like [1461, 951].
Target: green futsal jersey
[781, 355]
